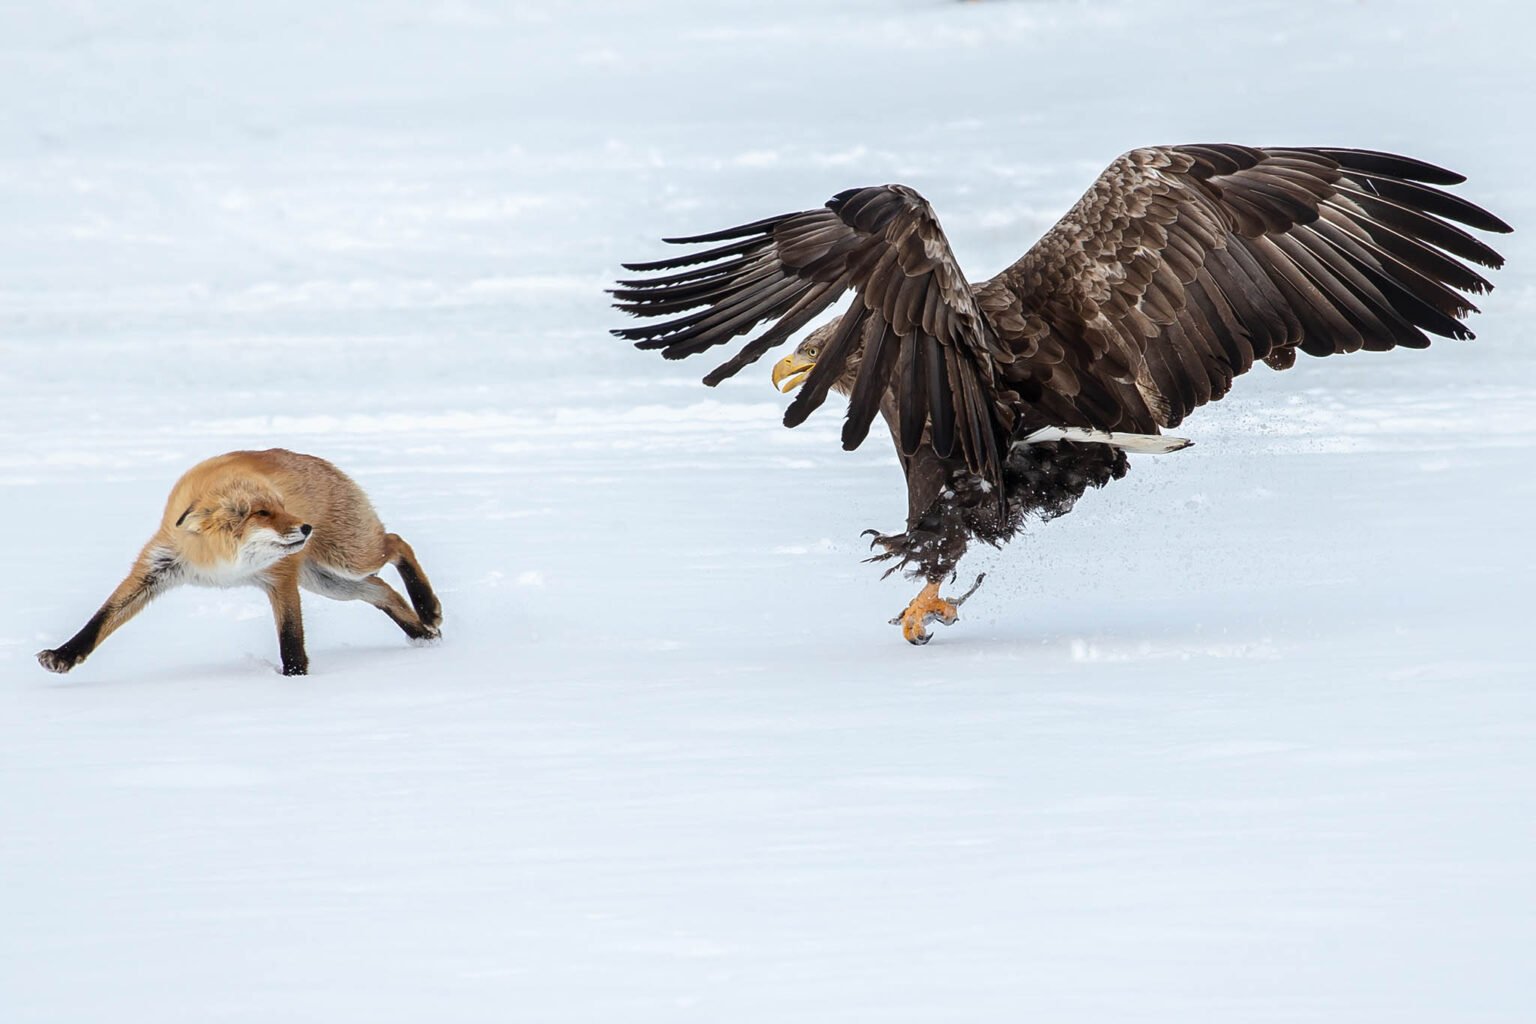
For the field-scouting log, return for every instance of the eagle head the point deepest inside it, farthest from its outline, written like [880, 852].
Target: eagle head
[791, 371]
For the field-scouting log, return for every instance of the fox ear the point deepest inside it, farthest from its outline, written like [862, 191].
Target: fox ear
[191, 523]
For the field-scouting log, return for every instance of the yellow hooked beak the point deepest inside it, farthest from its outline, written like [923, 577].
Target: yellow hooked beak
[791, 371]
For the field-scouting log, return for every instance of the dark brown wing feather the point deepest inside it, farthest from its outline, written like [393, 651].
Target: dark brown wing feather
[915, 321]
[1183, 265]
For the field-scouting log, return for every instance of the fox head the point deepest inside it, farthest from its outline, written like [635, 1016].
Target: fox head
[242, 527]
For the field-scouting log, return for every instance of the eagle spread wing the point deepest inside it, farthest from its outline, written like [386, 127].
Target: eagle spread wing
[1179, 268]
[1183, 265]
[915, 328]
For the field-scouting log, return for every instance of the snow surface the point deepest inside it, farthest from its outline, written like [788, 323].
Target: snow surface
[1248, 737]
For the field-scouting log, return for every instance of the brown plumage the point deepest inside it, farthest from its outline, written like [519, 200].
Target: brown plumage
[1177, 270]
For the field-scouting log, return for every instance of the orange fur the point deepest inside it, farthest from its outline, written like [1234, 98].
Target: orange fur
[273, 519]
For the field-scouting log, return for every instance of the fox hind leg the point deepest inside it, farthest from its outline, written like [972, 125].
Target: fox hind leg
[373, 590]
[155, 572]
[383, 597]
[400, 555]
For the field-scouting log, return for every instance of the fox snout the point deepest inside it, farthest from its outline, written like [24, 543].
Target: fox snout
[289, 529]
[274, 531]
[297, 535]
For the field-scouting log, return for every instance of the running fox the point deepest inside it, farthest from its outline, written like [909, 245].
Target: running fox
[277, 520]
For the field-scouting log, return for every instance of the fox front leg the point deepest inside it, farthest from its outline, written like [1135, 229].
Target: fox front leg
[283, 592]
[155, 572]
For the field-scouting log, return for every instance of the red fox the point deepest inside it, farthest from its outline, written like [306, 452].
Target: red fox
[277, 520]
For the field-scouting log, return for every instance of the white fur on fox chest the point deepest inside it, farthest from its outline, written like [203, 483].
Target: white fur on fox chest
[235, 573]
[249, 566]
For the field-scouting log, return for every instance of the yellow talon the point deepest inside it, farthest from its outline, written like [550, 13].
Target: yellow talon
[926, 607]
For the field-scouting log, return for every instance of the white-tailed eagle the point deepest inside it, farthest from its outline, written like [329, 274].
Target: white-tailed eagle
[1179, 269]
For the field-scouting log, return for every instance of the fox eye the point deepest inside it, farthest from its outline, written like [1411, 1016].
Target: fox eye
[263, 513]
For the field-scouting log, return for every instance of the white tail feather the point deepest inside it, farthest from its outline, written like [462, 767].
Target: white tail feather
[1142, 444]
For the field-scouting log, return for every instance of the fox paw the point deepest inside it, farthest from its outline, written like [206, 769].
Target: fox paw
[58, 660]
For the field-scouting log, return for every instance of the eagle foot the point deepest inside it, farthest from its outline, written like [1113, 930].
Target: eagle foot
[889, 547]
[926, 607]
